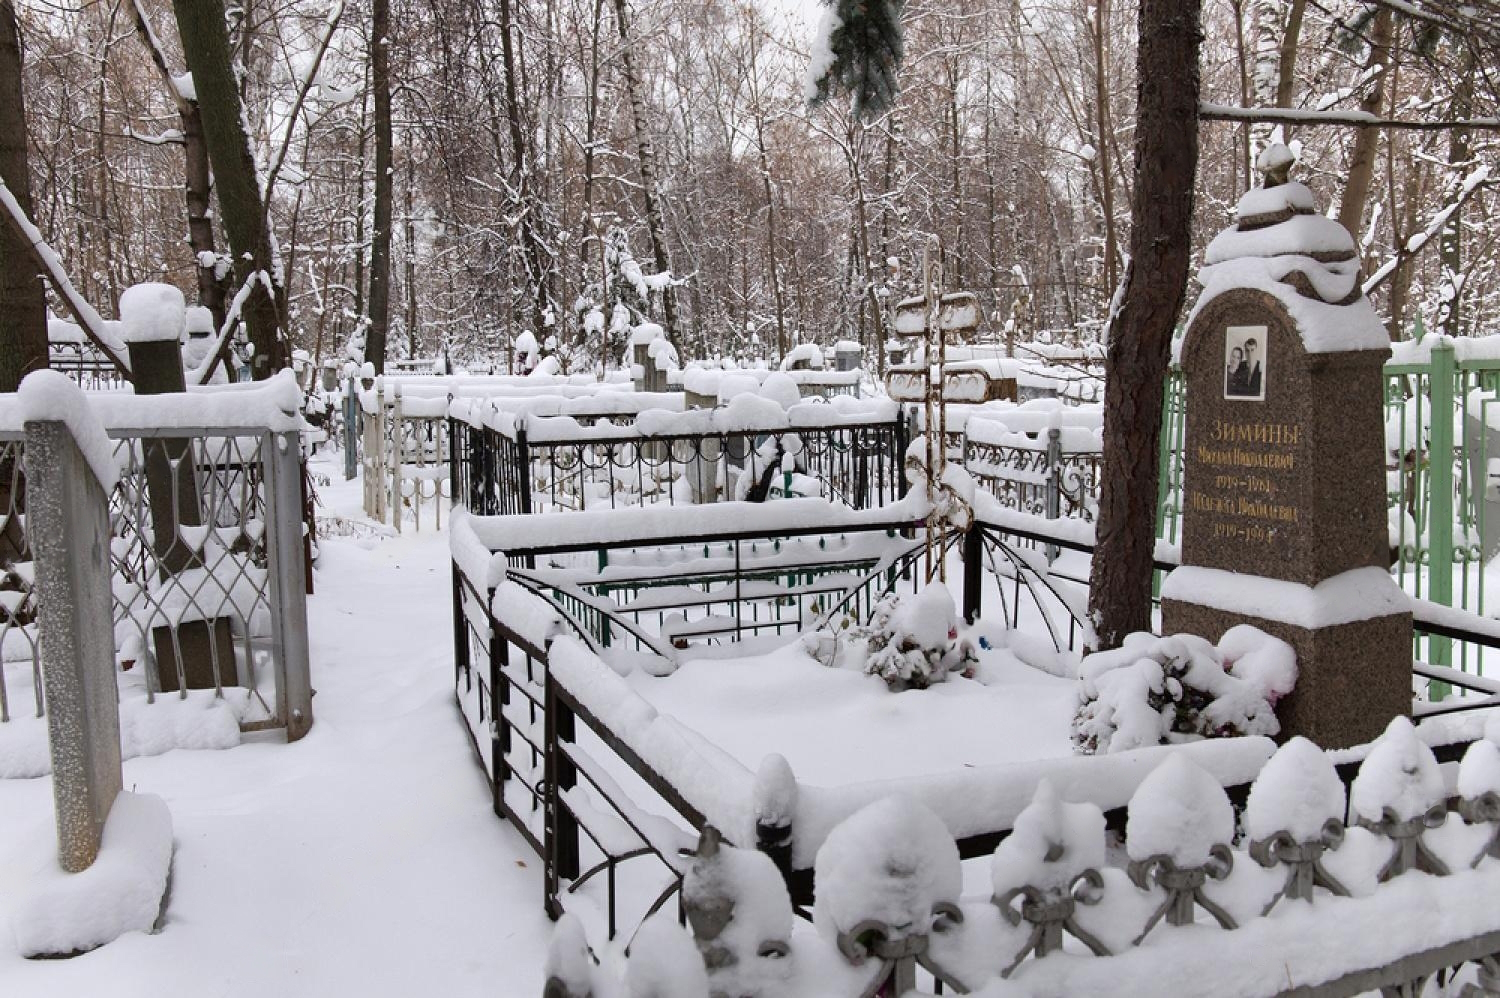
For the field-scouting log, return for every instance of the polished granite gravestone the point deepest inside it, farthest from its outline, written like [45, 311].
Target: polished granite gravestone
[1284, 510]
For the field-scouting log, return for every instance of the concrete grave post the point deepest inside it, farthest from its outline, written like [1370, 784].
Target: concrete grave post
[1284, 511]
[68, 509]
[200, 654]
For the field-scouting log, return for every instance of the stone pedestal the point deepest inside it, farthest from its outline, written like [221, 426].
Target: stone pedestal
[1353, 675]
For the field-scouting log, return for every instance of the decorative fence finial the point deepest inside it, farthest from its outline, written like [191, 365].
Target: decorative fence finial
[1050, 864]
[1295, 815]
[1399, 794]
[1177, 834]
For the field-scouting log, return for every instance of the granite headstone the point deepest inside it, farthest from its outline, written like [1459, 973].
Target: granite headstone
[1284, 519]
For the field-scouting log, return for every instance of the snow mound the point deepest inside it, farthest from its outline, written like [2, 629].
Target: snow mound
[753, 943]
[1479, 773]
[1297, 792]
[775, 791]
[568, 958]
[892, 860]
[121, 892]
[1050, 844]
[49, 396]
[1179, 811]
[781, 389]
[664, 963]
[153, 313]
[1152, 689]
[1400, 773]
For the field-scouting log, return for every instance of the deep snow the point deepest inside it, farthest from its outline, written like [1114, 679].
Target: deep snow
[363, 859]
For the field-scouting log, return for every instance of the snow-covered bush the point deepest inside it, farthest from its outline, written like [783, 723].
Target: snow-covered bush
[1153, 690]
[910, 643]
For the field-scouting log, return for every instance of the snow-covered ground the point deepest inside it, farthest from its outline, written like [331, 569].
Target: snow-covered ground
[364, 859]
[838, 726]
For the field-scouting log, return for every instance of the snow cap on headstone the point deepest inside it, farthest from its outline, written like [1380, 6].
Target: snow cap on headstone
[1282, 246]
[153, 312]
[1279, 219]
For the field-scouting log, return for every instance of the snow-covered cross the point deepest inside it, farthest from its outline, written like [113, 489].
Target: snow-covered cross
[930, 317]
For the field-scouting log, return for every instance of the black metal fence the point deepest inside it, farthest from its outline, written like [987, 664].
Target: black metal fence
[517, 471]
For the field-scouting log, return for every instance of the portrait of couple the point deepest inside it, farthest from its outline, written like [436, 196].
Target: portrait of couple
[1244, 363]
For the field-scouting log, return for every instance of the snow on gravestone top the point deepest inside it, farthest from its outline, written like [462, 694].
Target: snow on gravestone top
[1304, 261]
[153, 313]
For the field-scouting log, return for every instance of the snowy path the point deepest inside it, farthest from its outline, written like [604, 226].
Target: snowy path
[362, 860]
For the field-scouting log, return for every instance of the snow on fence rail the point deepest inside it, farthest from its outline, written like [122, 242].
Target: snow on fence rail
[1310, 892]
[560, 733]
[208, 567]
[520, 461]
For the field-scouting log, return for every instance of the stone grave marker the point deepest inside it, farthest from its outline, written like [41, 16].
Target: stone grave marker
[1284, 508]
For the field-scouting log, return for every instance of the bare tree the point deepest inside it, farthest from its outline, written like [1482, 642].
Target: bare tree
[261, 296]
[1140, 334]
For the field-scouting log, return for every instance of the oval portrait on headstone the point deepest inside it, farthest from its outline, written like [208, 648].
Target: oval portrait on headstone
[1245, 363]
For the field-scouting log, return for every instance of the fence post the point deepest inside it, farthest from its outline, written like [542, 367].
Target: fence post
[351, 429]
[1440, 500]
[398, 447]
[460, 628]
[500, 699]
[1166, 448]
[68, 513]
[903, 440]
[523, 467]
[973, 553]
[1054, 484]
[282, 457]
[561, 828]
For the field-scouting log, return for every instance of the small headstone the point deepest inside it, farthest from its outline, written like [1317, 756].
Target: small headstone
[1284, 466]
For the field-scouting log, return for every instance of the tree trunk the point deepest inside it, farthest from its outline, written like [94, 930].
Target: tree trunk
[379, 301]
[528, 206]
[1103, 128]
[1460, 157]
[199, 181]
[23, 309]
[646, 155]
[1166, 160]
[242, 209]
[1367, 140]
[1286, 75]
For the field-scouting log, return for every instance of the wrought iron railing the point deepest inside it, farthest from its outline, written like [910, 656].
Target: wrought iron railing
[518, 469]
[1183, 907]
